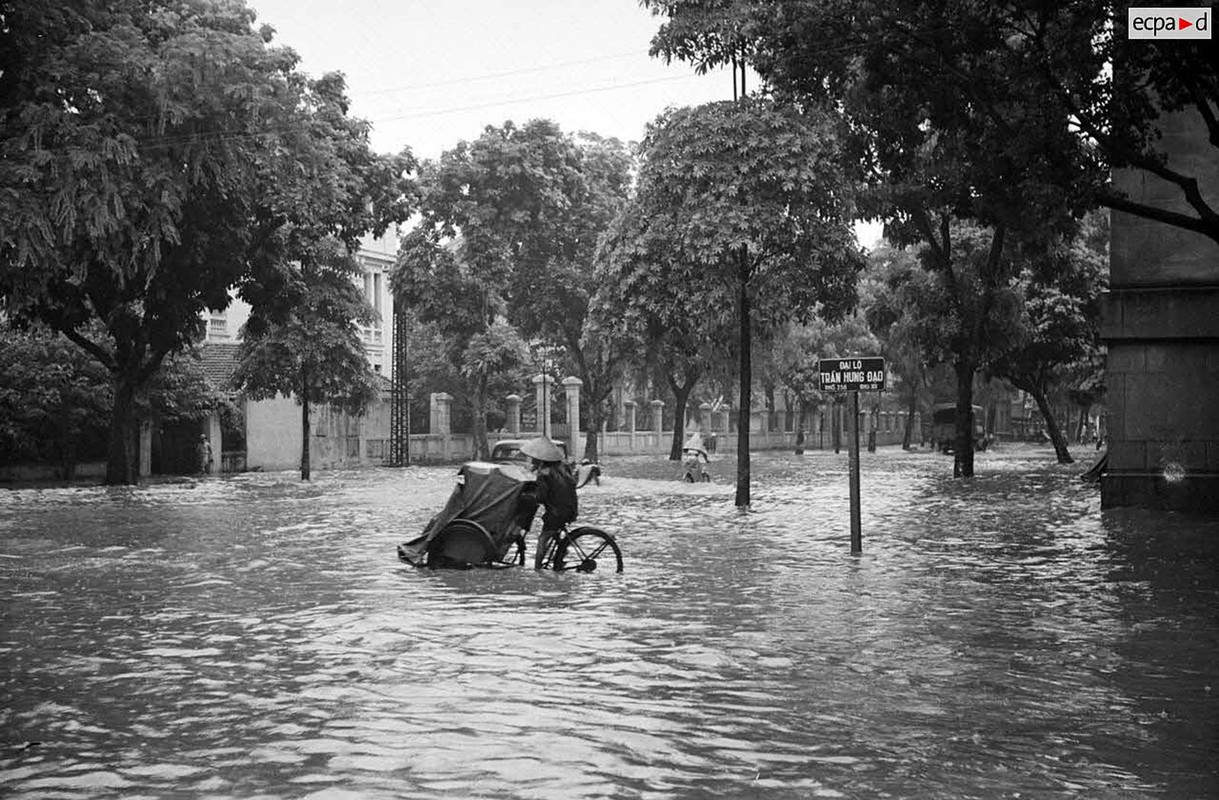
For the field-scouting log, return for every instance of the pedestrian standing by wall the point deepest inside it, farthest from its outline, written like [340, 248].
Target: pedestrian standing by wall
[203, 454]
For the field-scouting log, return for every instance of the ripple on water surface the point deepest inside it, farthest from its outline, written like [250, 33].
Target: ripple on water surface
[254, 636]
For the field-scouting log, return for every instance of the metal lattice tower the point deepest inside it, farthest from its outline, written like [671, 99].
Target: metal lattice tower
[400, 409]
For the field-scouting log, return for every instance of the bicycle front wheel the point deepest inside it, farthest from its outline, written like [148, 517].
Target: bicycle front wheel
[587, 549]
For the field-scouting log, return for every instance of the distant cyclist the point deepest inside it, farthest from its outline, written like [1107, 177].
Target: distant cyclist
[694, 458]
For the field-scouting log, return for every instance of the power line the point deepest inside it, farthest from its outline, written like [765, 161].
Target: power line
[493, 75]
[529, 98]
[238, 134]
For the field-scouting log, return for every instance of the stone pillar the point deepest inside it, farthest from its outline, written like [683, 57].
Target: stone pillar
[440, 422]
[704, 417]
[543, 396]
[514, 414]
[1160, 323]
[571, 392]
[658, 420]
[628, 409]
[212, 428]
[145, 449]
[725, 419]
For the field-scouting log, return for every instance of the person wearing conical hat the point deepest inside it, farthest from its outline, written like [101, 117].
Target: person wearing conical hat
[554, 487]
[694, 445]
[691, 452]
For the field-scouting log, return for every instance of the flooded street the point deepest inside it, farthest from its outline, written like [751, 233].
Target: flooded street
[255, 636]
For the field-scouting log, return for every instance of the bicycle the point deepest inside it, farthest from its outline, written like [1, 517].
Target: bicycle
[479, 528]
[696, 470]
[580, 550]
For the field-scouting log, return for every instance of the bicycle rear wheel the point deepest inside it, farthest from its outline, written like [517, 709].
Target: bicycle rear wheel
[461, 544]
[587, 549]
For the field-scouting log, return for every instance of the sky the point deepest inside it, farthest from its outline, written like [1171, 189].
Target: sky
[430, 73]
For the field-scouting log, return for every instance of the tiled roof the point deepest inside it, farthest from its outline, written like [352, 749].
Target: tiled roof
[219, 362]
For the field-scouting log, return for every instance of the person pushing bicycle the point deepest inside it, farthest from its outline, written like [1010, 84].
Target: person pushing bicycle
[553, 487]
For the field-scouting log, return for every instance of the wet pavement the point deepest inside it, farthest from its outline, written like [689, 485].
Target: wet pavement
[254, 636]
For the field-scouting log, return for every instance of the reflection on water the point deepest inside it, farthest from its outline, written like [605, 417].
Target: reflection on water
[255, 637]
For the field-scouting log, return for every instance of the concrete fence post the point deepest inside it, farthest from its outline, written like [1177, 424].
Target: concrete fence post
[542, 393]
[571, 392]
[513, 422]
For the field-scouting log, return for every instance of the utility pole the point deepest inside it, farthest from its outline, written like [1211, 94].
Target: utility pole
[399, 398]
[745, 406]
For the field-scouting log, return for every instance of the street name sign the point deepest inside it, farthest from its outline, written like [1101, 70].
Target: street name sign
[852, 374]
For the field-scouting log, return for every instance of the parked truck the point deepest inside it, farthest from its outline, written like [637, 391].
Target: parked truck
[944, 428]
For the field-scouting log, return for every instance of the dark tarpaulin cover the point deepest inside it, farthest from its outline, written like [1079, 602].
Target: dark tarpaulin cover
[487, 494]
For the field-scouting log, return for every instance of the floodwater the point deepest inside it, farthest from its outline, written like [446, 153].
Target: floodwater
[255, 636]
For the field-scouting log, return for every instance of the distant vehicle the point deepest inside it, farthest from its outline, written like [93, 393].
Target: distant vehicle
[508, 451]
[944, 428]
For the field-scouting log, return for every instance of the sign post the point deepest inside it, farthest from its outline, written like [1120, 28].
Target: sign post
[853, 375]
[856, 531]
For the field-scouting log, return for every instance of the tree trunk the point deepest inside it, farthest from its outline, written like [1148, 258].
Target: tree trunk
[1081, 427]
[911, 409]
[306, 428]
[1051, 426]
[122, 450]
[836, 424]
[596, 418]
[681, 396]
[66, 445]
[963, 459]
[746, 399]
[481, 450]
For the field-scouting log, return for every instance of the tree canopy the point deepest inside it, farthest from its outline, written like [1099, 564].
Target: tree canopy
[155, 157]
[312, 351]
[946, 126]
[1056, 87]
[751, 212]
[510, 223]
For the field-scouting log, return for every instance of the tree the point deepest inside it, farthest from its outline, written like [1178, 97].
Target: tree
[527, 205]
[55, 401]
[666, 324]
[930, 135]
[154, 158]
[1059, 328]
[314, 353]
[903, 309]
[440, 285]
[1024, 69]
[756, 208]
[555, 279]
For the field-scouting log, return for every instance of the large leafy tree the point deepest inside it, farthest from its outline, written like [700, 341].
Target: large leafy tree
[646, 308]
[525, 206]
[56, 401]
[1059, 324]
[555, 278]
[904, 309]
[946, 138]
[312, 351]
[1025, 69]
[155, 157]
[756, 210]
[439, 283]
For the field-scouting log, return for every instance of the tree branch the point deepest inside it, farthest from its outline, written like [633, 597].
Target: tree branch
[1117, 202]
[1207, 221]
[89, 346]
